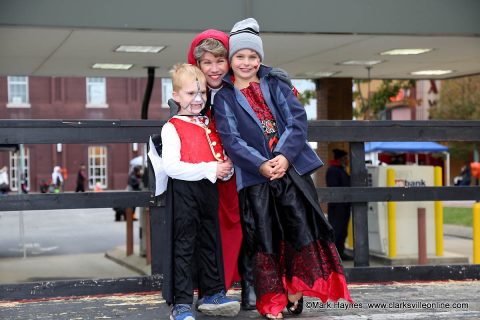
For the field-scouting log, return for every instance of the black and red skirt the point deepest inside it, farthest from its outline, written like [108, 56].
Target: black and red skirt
[290, 242]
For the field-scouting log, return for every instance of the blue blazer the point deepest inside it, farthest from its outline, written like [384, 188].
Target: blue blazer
[242, 134]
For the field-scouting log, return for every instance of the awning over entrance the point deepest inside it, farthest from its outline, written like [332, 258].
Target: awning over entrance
[372, 149]
[405, 146]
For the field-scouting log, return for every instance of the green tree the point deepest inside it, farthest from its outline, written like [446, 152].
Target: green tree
[306, 96]
[371, 108]
[459, 100]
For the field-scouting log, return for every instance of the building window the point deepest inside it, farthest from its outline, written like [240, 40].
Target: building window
[14, 170]
[18, 92]
[97, 167]
[166, 91]
[96, 92]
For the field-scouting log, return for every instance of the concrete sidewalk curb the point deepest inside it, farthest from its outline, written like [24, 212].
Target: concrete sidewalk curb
[133, 262]
[457, 231]
[459, 204]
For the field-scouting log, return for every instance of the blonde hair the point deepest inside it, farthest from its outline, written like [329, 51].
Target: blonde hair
[211, 45]
[185, 71]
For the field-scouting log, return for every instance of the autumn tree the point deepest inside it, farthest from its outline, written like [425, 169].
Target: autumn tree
[459, 100]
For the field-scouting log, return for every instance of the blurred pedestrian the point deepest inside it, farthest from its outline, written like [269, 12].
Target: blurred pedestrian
[339, 213]
[135, 179]
[81, 178]
[135, 183]
[44, 186]
[466, 175]
[4, 184]
[23, 184]
[57, 180]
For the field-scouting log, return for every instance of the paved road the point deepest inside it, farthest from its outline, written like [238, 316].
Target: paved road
[60, 232]
[439, 300]
[61, 245]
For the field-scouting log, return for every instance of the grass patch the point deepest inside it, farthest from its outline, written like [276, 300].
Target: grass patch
[458, 216]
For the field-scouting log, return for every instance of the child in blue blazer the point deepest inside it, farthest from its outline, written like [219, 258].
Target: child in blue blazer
[263, 128]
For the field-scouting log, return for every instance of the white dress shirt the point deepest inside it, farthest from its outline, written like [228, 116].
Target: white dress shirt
[177, 169]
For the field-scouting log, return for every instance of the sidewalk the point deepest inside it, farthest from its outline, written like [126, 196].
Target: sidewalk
[458, 231]
[438, 300]
[61, 267]
[460, 204]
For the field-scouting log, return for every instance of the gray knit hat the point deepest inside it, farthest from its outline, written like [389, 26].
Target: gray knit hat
[245, 35]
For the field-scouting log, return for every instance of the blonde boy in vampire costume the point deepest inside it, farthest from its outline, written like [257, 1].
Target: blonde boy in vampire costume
[193, 159]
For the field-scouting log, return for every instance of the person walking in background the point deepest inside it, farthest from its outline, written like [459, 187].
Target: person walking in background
[4, 183]
[263, 128]
[466, 175]
[81, 179]
[57, 180]
[135, 183]
[64, 172]
[193, 159]
[339, 213]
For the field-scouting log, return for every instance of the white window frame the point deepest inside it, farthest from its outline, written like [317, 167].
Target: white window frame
[14, 161]
[18, 101]
[99, 98]
[97, 170]
[167, 90]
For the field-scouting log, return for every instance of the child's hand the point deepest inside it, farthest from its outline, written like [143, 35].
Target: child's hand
[224, 169]
[279, 166]
[266, 170]
[228, 161]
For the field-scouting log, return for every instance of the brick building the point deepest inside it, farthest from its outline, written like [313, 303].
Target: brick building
[77, 98]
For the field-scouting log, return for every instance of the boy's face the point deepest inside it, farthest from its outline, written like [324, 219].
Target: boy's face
[214, 68]
[191, 97]
[245, 64]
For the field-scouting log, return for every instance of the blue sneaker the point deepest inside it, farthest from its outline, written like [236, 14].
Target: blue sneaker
[219, 305]
[182, 312]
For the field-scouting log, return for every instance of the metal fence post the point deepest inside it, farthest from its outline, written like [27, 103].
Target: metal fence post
[358, 178]
[422, 236]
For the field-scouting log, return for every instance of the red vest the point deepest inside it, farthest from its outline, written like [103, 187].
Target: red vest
[198, 144]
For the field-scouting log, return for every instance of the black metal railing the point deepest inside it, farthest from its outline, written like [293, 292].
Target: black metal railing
[353, 132]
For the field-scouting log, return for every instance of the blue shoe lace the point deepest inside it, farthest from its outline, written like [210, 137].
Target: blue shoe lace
[182, 312]
[217, 298]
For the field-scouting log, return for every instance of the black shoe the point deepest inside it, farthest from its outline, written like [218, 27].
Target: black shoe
[295, 310]
[249, 298]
